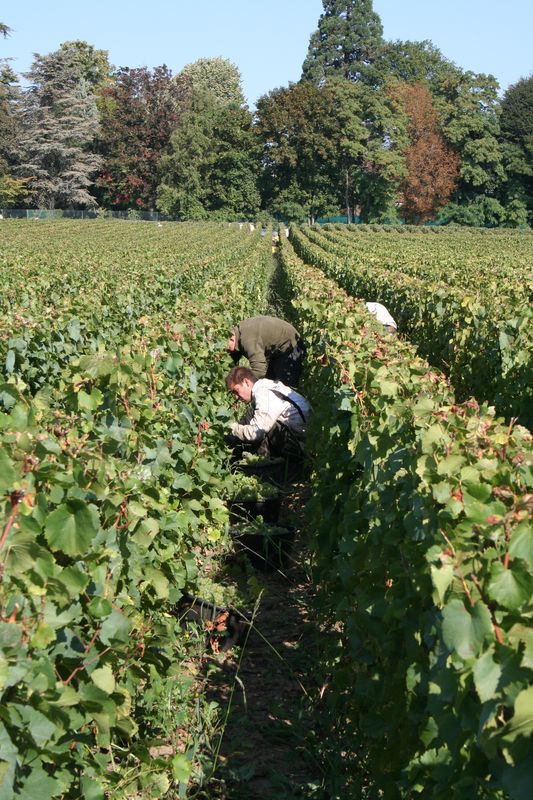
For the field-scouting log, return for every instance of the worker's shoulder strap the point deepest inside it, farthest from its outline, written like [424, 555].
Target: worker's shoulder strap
[291, 401]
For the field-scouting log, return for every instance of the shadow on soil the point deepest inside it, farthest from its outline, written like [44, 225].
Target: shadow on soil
[268, 688]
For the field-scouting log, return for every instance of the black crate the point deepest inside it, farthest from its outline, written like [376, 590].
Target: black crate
[266, 548]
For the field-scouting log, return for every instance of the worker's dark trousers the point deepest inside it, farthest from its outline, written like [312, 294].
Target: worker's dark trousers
[279, 441]
[287, 367]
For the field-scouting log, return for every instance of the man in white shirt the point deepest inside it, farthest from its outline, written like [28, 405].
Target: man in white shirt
[277, 422]
[382, 315]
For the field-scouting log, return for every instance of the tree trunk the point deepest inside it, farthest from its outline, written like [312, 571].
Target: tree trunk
[347, 198]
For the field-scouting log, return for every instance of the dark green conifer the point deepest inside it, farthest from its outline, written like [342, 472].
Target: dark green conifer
[346, 43]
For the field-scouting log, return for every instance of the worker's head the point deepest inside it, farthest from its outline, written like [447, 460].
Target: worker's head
[240, 383]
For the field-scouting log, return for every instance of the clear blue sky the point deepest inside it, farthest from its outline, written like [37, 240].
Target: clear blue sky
[267, 41]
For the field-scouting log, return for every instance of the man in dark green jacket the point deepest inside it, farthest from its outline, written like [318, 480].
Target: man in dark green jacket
[273, 347]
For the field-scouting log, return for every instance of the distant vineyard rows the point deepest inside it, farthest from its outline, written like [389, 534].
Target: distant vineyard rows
[463, 297]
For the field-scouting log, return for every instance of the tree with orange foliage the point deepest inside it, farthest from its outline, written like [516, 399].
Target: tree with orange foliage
[432, 168]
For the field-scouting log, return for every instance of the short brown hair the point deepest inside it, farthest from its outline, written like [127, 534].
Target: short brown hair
[239, 374]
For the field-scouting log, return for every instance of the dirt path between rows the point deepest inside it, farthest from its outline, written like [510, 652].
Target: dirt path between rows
[265, 751]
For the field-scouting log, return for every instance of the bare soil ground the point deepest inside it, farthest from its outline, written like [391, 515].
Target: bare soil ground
[271, 687]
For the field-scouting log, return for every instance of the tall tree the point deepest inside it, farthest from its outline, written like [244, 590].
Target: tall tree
[9, 121]
[330, 147]
[432, 167]
[12, 189]
[517, 142]
[8, 94]
[212, 168]
[346, 43]
[468, 108]
[139, 112]
[370, 138]
[60, 120]
[296, 128]
[414, 62]
[93, 63]
[517, 114]
[216, 75]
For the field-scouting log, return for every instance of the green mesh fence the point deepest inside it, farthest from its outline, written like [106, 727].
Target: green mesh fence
[57, 213]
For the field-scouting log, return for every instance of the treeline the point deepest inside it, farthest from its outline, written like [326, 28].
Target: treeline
[380, 131]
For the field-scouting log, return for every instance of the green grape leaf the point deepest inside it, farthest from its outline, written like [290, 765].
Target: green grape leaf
[71, 527]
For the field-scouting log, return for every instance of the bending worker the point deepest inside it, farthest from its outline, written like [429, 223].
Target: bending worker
[274, 349]
[277, 424]
[382, 315]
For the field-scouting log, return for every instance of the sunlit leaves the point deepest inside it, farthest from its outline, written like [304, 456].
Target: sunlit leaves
[8, 474]
[71, 527]
[103, 678]
[511, 588]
